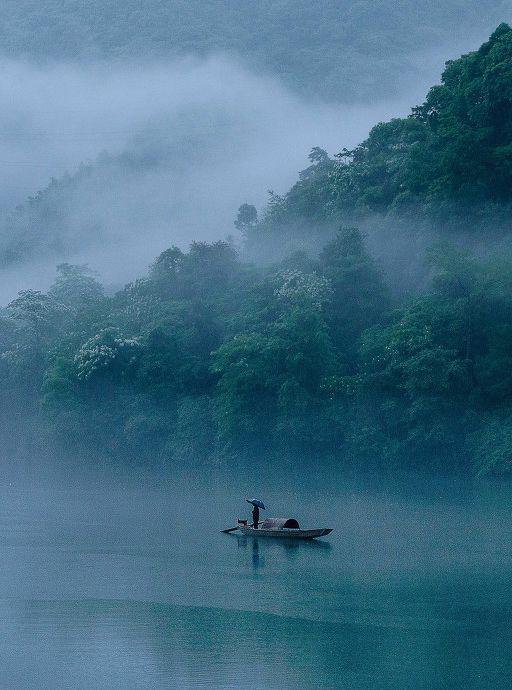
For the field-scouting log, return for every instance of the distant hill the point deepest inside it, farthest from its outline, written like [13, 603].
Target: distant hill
[339, 49]
[448, 165]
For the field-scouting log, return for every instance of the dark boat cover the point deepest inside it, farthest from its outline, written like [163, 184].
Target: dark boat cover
[279, 523]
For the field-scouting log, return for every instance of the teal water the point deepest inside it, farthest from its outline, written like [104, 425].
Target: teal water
[123, 584]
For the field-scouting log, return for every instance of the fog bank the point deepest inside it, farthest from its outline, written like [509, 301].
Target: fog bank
[186, 143]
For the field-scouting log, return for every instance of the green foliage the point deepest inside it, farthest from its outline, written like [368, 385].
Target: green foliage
[76, 288]
[246, 219]
[359, 297]
[442, 365]
[492, 446]
[195, 433]
[209, 360]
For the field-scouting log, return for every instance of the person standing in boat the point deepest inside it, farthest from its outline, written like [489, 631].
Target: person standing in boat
[256, 505]
[255, 516]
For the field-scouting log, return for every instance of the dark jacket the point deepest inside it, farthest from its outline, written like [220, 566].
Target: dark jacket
[255, 516]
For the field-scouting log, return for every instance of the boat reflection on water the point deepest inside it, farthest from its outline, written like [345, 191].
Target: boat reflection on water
[279, 549]
[256, 560]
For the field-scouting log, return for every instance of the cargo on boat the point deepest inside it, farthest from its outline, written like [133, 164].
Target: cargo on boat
[287, 528]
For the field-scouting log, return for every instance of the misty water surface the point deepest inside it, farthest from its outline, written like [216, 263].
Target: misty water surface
[127, 583]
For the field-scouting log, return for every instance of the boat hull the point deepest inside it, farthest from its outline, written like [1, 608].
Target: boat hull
[284, 533]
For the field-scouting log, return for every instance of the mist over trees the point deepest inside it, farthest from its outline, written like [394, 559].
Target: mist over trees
[313, 353]
[339, 49]
[174, 133]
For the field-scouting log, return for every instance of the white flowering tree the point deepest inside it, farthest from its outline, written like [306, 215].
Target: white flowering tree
[299, 289]
[107, 353]
[36, 310]
[36, 317]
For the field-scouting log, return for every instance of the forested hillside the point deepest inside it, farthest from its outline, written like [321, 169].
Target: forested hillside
[448, 165]
[338, 49]
[207, 359]
[315, 354]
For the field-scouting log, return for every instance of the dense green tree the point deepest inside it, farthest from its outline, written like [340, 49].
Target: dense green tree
[270, 381]
[76, 287]
[428, 381]
[246, 219]
[359, 297]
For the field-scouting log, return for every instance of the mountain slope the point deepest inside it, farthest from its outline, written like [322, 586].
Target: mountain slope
[448, 164]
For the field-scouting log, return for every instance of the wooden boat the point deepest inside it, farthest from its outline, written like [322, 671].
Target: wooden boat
[283, 528]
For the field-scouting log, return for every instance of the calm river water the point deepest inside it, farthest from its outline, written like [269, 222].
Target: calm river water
[127, 583]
